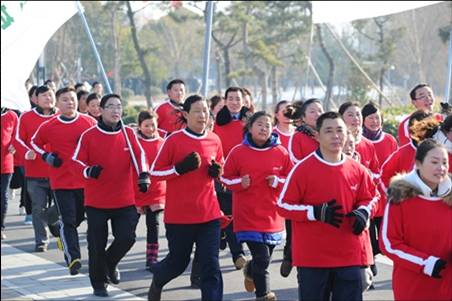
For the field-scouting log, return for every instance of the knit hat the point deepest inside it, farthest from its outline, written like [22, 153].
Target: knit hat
[369, 109]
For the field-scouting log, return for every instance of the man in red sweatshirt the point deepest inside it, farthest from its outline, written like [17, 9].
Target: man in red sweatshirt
[61, 134]
[328, 224]
[109, 156]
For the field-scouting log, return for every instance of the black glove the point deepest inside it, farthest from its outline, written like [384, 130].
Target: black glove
[215, 169]
[94, 171]
[52, 159]
[329, 213]
[191, 162]
[360, 221]
[439, 266]
[144, 181]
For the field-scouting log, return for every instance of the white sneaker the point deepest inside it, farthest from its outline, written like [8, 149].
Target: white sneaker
[22, 210]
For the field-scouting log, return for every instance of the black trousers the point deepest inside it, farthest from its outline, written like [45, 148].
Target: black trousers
[123, 222]
[70, 206]
[261, 257]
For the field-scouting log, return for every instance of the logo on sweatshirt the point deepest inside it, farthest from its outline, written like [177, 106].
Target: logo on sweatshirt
[126, 149]
[354, 187]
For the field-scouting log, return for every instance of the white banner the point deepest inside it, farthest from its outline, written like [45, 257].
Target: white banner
[27, 26]
[346, 11]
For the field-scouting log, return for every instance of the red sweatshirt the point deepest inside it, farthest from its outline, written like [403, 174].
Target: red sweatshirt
[301, 145]
[155, 196]
[283, 137]
[384, 148]
[230, 134]
[368, 155]
[254, 208]
[168, 117]
[115, 186]
[27, 126]
[61, 137]
[8, 125]
[190, 197]
[401, 161]
[314, 181]
[416, 232]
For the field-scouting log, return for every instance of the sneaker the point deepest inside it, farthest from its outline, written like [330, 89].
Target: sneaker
[41, 248]
[248, 282]
[3, 235]
[100, 292]
[113, 275]
[28, 219]
[154, 293]
[240, 262]
[268, 297]
[286, 268]
[74, 267]
[22, 211]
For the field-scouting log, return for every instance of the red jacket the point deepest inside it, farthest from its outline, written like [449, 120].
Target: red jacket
[230, 134]
[168, 117]
[283, 137]
[115, 186]
[155, 196]
[368, 155]
[26, 128]
[254, 208]
[401, 161]
[190, 197]
[61, 137]
[8, 124]
[416, 231]
[301, 145]
[314, 181]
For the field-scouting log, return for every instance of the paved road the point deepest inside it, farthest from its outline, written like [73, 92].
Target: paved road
[47, 277]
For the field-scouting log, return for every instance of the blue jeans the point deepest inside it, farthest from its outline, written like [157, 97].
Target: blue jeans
[321, 283]
[6, 178]
[181, 238]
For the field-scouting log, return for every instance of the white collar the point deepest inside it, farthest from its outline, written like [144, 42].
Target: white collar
[441, 138]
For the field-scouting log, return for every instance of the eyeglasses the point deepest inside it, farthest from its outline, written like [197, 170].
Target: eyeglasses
[429, 95]
[113, 107]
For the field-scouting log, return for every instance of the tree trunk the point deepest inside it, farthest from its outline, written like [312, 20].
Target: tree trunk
[219, 77]
[140, 53]
[329, 87]
[116, 53]
[274, 86]
[227, 66]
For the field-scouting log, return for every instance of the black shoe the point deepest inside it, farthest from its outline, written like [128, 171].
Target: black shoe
[74, 267]
[286, 268]
[195, 282]
[114, 276]
[100, 292]
[155, 293]
[223, 241]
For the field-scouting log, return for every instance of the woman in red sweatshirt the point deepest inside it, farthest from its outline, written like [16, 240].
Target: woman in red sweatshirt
[189, 160]
[416, 232]
[152, 202]
[255, 172]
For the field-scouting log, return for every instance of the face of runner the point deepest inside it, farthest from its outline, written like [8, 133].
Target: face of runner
[313, 112]
[261, 130]
[353, 118]
[332, 136]
[280, 114]
[46, 100]
[234, 101]
[373, 121]
[177, 92]
[425, 99]
[93, 107]
[149, 127]
[433, 169]
[112, 111]
[198, 116]
[67, 103]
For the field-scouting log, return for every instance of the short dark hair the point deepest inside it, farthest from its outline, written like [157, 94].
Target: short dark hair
[347, 105]
[42, 89]
[304, 106]
[81, 93]
[49, 81]
[174, 82]
[214, 100]
[447, 125]
[145, 115]
[78, 85]
[106, 97]
[426, 146]
[91, 97]
[252, 119]
[95, 84]
[327, 115]
[233, 89]
[413, 91]
[32, 91]
[64, 90]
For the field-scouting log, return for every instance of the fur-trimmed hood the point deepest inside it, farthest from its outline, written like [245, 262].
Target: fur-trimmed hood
[404, 186]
